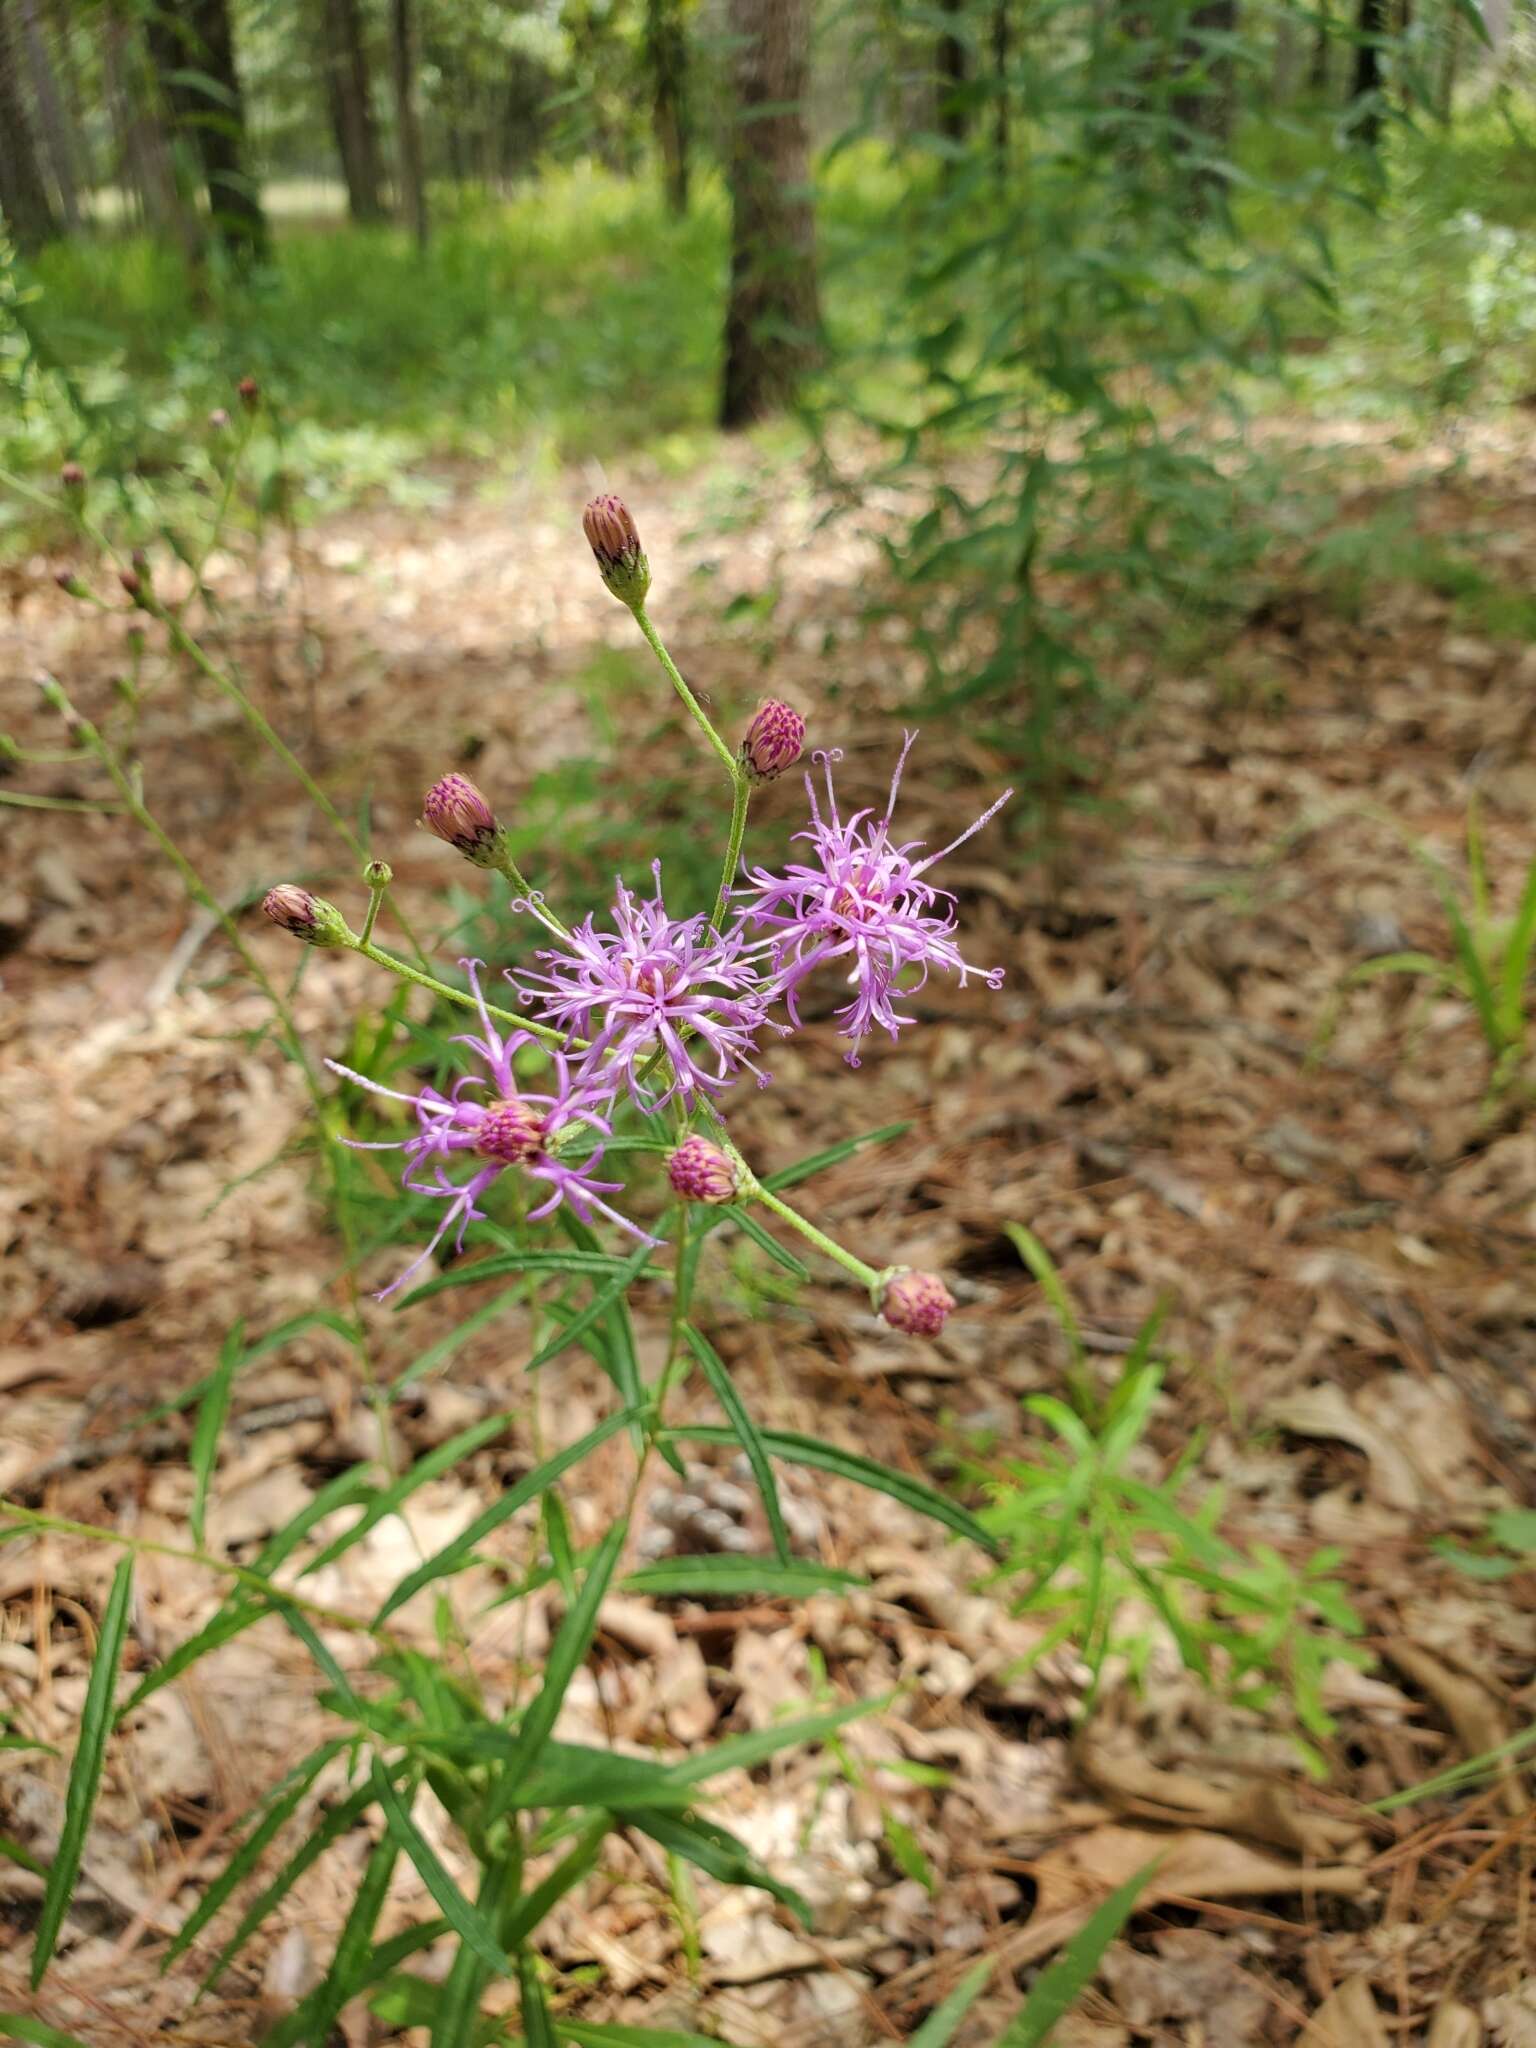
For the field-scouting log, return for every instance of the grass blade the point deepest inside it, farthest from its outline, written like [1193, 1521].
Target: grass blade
[353, 1948]
[210, 1426]
[466, 1920]
[588, 2034]
[572, 1641]
[1057, 1989]
[444, 1348]
[714, 1850]
[85, 1772]
[915, 1494]
[765, 1240]
[503, 1263]
[729, 1576]
[834, 1155]
[1516, 964]
[742, 1752]
[598, 1307]
[338, 1822]
[528, 1488]
[938, 2030]
[20, 2026]
[538, 2027]
[747, 1435]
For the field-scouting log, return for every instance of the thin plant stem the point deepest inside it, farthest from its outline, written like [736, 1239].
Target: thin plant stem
[866, 1275]
[376, 895]
[743, 798]
[406, 972]
[695, 710]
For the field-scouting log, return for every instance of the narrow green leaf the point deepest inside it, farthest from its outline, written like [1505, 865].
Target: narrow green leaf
[906, 1852]
[538, 2028]
[586, 2034]
[597, 1308]
[85, 1772]
[346, 1974]
[809, 1450]
[834, 1155]
[714, 1850]
[939, 2029]
[381, 1967]
[1515, 967]
[567, 1873]
[391, 1498]
[747, 1435]
[569, 1649]
[557, 1540]
[732, 1576]
[502, 1264]
[14, 1852]
[1043, 1267]
[281, 1804]
[210, 1425]
[753, 1226]
[20, 2026]
[338, 1822]
[453, 2014]
[436, 1354]
[1056, 1989]
[744, 1752]
[621, 1361]
[465, 1920]
[528, 1488]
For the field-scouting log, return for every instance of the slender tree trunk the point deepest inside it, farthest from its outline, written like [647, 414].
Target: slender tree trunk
[24, 196]
[194, 36]
[161, 162]
[1002, 58]
[1322, 45]
[402, 57]
[1371, 25]
[773, 311]
[52, 122]
[350, 107]
[1202, 98]
[666, 52]
[950, 67]
[1446, 96]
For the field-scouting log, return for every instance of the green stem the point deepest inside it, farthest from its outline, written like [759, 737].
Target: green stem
[465, 1001]
[694, 708]
[375, 901]
[866, 1275]
[733, 844]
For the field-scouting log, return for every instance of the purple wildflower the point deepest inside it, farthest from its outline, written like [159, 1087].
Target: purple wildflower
[510, 1127]
[700, 1172]
[773, 740]
[918, 1303]
[654, 986]
[862, 899]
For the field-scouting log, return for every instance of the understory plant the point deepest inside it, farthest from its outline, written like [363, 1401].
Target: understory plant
[619, 1036]
[1101, 1547]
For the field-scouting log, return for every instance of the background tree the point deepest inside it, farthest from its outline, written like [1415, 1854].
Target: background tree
[53, 125]
[666, 59]
[773, 310]
[350, 106]
[1371, 26]
[412, 172]
[24, 197]
[193, 47]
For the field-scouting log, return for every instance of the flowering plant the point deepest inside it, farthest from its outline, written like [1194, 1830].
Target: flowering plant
[663, 1011]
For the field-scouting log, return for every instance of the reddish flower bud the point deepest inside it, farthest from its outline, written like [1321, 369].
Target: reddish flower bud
[307, 917]
[250, 392]
[70, 583]
[615, 541]
[218, 419]
[133, 583]
[918, 1303]
[72, 477]
[774, 740]
[460, 816]
[700, 1172]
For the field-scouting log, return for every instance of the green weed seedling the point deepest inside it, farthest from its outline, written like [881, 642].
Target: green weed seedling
[1116, 1563]
[1488, 963]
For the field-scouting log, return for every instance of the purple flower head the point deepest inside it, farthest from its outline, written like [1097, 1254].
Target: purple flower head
[773, 740]
[654, 985]
[460, 816]
[861, 898]
[918, 1303]
[509, 1126]
[700, 1171]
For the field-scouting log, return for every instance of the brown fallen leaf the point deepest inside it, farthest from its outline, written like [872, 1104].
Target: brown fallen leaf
[1454, 2026]
[1193, 1976]
[1324, 1411]
[1347, 2018]
[1478, 1720]
[1193, 1864]
[1264, 1809]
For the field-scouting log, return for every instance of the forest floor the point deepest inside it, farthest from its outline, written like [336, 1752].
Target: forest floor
[1346, 1241]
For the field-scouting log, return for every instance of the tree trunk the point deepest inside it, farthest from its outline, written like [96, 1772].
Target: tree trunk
[350, 108]
[773, 312]
[666, 55]
[1002, 57]
[950, 68]
[24, 197]
[1322, 46]
[194, 36]
[1371, 24]
[1202, 98]
[52, 121]
[402, 58]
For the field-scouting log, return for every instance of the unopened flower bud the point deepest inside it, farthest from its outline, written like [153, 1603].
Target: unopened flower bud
[250, 392]
[460, 816]
[309, 918]
[774, 740]
[70, 583]
[700, 1172]
[133, 583]
[615, 540]
[72, 477]
[218, 419]
[378, 874]
[918, 1303]
[511, 1132]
